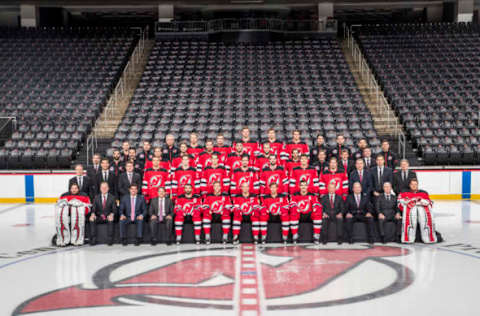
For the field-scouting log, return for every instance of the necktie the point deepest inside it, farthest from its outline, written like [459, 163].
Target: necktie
[104, 202]
[130, 178]
[361, 176]
[388, 197]
[80, 182]
[331, 201]
[404, 176]
[368, 162]
[380, 173]
[160, 211]
[132, 210]
[358, 200]
[105, 176]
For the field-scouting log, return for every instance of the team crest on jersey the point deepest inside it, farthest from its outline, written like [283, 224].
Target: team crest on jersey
[185, 180]
[306, 178]
[336, 182]
[302, 206]
[274, 208]
[156, 181]
[214, 177]
[217, 206]
[236, 164]
[246, 208]
[188, 207]
[243, 180]
[274, 179]
[207, 278]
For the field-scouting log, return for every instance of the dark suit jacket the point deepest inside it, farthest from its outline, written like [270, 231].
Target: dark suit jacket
[110, 205]
[367, 181]
[140, 206]
[398, 184]
[88, 187]
[111, 182]
[364, 208]
[338, 205]
[373, 163]
[92, 173]
[153, 207]
[350, 166]
[124, 184]
[385, 207]
[387, 176]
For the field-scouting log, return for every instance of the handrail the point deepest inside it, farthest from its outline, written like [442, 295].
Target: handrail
[368, 76]
[91, 145]
[255, 24]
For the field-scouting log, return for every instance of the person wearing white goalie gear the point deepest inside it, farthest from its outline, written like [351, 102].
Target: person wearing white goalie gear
[70, 212]
[416, 206]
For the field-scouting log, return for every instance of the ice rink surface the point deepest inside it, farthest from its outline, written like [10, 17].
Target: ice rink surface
[391, 279]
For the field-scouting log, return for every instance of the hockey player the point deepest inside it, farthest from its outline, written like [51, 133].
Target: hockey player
[234, 158]
[273, 173]
[244, 174]
[293, 162]
[216, 207]
[194, 149]
[214, 173]
[276, 147]
[297, 143]
[188, 205]
[304, 206]
[204, 159]
[245, 206]
[336, 175]
[184, 175]
[154, 178]
[304, 173]
[275, 205]
[221, 148]
[250, 146]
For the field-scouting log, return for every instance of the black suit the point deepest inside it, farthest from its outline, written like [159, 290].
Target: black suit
[124, 183]
[389, 208]
[373, 163]
[367, 181]
[153, 209]
[110, 180]
[399, 185]
[332, 211]
[88, 187]
[92, 171]
[387, 176]
[359, 212]
[350, 166]
[102, 213]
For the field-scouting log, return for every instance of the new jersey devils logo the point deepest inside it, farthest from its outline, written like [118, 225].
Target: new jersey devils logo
[305, 177]
[246, 208]
[214, 177]
[242, 181]
[156, 181]
[236, 165]
[273, 179]
[206, 278]
[187, 179]
[274, 208]
[188, 208]
[217, 206]
[303, 206]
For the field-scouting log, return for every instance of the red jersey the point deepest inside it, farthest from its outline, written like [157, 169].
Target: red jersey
[262, 161]
[163, 164]
[187, 205]
[211, 175]
[304, 203]
[154, 179]
[82, 198]
[224, 151]
[278, 149]
[269, 176]
[246, 205]
[251, 147]
[177, 162]
[233, 162]
[290, 165]
[301, 146]
[340, 179]
[274, 205]
[205, 159]
[217, 203]
[240, 176]
[182, 177]
[308, 174]
[194, 151]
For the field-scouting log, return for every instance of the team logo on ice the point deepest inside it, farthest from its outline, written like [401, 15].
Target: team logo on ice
[206, 278]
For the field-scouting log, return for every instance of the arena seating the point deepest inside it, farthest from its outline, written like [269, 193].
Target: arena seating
[212, 87]
[55, 82]
[430, 74]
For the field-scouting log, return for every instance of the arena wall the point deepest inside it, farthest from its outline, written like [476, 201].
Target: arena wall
[453, 184]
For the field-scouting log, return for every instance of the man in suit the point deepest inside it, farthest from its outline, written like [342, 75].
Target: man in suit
[345, 163]
[93, 170]
[105, 175]
[103, 212]
[367, 158]
[85, 184]
[362, 175]
[359, 209]
[388, 211]
[402, 178]
[333, 208]
[380, 175]
[161, 210]
[128, 178]
[133, 210]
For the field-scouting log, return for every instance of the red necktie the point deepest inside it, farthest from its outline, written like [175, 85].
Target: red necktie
[104, 202]
[360, 174]
[132, 210]
[331, 201]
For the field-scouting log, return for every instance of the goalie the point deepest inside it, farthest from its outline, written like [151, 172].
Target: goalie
[70, 212]
[416, 206]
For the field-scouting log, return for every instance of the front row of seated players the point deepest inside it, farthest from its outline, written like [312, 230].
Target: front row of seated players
[331, 209]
